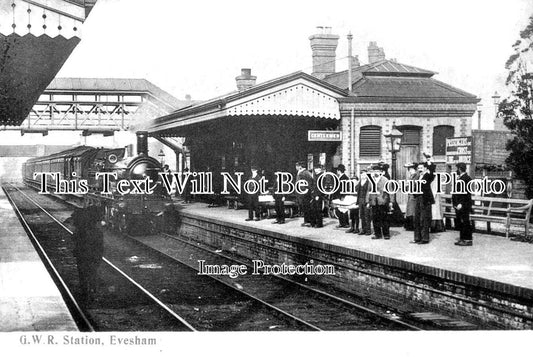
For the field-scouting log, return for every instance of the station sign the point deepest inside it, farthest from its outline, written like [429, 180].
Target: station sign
[459, 150]
[324, 135]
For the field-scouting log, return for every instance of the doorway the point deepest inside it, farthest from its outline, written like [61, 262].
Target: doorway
[409, 152]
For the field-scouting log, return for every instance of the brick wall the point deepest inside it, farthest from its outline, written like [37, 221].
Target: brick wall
[425, 115]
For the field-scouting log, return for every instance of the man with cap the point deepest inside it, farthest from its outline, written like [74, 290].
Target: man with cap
[423, 201]
[317, 197]
[462, 202]
[412, 175]
[279, 202]
[253, 198]
[305, 199]
[380, 203]
[362, 202]
[88, 249]
[342, 216]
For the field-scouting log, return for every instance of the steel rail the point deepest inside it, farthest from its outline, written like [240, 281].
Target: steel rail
[314, 290]
[63, 286]
[255, 298]
[140, 287]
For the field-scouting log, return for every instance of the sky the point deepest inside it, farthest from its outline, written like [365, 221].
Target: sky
[198, 47]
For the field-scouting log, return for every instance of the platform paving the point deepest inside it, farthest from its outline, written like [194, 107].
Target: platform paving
[491, 257]
[29, 299]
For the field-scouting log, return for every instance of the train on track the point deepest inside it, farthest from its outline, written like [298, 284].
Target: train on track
[141, 214]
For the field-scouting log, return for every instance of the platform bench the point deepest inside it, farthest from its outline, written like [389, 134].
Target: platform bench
[233, 202]
[494, 209]
[268, 206]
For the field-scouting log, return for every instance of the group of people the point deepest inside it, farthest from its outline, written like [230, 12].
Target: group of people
[364, 209]
[423, 207]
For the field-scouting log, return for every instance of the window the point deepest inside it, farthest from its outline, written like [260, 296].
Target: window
[411, 135]
[440, 133]
[370, 141]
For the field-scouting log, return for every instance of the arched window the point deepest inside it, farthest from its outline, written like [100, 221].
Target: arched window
[440, 133]
[370, 141]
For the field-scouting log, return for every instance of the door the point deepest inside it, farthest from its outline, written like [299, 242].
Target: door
[409, 152]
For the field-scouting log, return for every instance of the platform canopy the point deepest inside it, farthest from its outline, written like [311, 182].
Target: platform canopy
[36, 38]
[295, 95]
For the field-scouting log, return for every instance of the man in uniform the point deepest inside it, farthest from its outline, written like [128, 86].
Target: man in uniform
[253, 198]
[305, 199]
[317, 214]
[88, 249]
[423, 202]
[462, 202]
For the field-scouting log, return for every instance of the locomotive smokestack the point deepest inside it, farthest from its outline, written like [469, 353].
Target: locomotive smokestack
[142, 143]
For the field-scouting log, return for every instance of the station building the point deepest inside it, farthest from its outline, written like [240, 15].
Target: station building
[316, 117]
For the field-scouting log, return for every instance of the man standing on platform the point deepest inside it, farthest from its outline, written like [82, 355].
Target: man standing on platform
[412, 175]
[342, 216]
[362, 202]
[462, 202]
[423, 202]
[305, 199]
[253, 198]
[88, 249]
[381, 204]
[279, 203]
[317, 214]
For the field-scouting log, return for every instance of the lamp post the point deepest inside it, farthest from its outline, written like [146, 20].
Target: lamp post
[161, 157]
[394, 140]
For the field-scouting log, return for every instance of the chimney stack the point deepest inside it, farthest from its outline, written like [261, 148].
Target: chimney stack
[245, 80]
[142, 143]
[323, 46]
[375, 53]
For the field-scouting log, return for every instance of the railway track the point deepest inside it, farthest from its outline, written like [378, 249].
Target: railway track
[321, 309]
[280, 319]
[86, 321]
[307, 307]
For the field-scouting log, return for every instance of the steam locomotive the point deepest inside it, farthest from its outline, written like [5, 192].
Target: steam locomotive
[128, 213]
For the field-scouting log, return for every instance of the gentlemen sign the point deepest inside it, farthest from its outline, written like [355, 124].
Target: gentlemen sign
[324, 135]
[459, 150]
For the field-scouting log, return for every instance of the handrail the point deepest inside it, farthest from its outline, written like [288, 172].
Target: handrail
[62, 13]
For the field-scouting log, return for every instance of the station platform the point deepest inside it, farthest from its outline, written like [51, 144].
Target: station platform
[29, 299]
[494, 271]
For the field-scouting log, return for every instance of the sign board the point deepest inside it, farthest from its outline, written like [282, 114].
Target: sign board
[324, 135]
[459, 150]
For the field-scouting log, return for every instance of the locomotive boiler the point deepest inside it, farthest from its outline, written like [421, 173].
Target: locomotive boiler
[135, 213]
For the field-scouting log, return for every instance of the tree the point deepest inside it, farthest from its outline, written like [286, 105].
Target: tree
[517, 109]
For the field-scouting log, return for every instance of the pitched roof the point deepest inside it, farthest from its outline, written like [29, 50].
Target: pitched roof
[393, 68]
[389, 80]
[385, 67]
[199, 106]
[407, 87]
